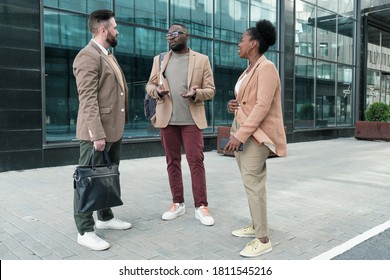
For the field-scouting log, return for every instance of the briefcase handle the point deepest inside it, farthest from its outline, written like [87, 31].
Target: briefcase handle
[106, 158]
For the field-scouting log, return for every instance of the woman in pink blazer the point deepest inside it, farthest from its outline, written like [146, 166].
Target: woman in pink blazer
[258, 123]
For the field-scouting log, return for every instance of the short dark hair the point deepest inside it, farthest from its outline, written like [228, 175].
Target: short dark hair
[179, 24]
[97, 17]
[265, 33]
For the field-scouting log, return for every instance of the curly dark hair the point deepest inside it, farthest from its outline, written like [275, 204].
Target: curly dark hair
[265, 33]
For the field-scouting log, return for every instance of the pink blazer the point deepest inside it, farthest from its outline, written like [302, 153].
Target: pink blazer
[260, 112]
[199, 73]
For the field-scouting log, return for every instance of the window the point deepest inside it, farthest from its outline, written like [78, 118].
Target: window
[323, 49]
[323, 84]
[304, 35]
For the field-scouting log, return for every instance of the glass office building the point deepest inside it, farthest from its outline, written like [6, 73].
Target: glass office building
[215, 28]
[333, 58]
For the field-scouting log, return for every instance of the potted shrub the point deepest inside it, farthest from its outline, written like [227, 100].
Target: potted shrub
[376, 125]
[305, 116]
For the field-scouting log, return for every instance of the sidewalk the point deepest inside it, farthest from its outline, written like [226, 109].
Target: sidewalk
[321, 195]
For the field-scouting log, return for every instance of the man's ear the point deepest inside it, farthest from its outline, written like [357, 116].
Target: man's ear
[101, 29]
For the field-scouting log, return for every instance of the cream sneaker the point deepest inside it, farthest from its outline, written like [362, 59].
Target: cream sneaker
[256, 248]
[92, 241]
[114, 223]
[176, 210]
[202, 214]
[248, 231]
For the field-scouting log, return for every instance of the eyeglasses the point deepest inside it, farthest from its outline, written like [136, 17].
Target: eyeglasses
[174, 34]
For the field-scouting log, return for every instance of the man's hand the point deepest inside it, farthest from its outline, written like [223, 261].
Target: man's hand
[190, 93]
[99, 145]
[161, 90]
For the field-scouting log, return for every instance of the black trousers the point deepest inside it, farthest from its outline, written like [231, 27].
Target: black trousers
[84, 221]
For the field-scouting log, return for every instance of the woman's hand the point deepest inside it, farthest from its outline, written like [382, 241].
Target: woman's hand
[233, 144]
[233, 105]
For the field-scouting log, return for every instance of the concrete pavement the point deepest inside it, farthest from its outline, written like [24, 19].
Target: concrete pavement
[320, 196]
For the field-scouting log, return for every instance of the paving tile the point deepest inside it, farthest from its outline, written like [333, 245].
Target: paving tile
[320, 196]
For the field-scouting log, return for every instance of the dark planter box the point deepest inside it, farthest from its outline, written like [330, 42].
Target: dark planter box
[372, 130]
[223, 132]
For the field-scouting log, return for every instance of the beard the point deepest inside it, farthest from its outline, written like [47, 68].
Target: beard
[111, 40]
[177, 46]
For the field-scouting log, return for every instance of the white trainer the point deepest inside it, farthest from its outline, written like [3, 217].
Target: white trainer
[202, 214]
[114, 223]
[92, 241]
[176, 210]
[256, 248]
[247, 231]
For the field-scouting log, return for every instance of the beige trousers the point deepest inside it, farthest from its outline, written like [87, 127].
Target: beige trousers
[252, 165]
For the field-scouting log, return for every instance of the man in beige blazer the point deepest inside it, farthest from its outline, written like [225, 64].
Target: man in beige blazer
[181, 84]
[102, 114]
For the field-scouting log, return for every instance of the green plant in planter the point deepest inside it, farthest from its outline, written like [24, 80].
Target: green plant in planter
[378, 112]
[306, 112]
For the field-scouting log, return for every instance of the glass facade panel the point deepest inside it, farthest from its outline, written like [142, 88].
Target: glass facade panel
[51, 28]
[201, 45]
[378, 66]
[304, 29]
[146, 12]
[70, 5]
[142, 26]
[231, 19]
[228, 66]
[97, 4]
[373, 86]
[385, 88]
[345, 44]
[325, 94]
[65, 35]
[264, 10]
[125, 11]
[345, 92]
[81, 6]
[331, 5]
[326, 35]
[195, 14]
[372, 3]
[346, 7]
[385, 52]
[329, 74]
[373, 35]
[225, 55]
[304, 92]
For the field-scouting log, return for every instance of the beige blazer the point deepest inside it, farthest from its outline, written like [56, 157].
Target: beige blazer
[103, 101]
[260, 111]
[199, 73]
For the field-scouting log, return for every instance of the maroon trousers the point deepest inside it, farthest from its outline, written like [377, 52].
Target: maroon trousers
[172, 138]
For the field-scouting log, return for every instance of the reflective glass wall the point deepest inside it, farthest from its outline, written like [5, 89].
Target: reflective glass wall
[378, 66]
[324, 63]
[215, 27]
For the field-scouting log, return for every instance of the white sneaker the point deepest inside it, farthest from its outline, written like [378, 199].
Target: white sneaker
[256, 248]
[114, 223]
[247, 231]
[92, 241]
[202, 214]
[176, 210]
